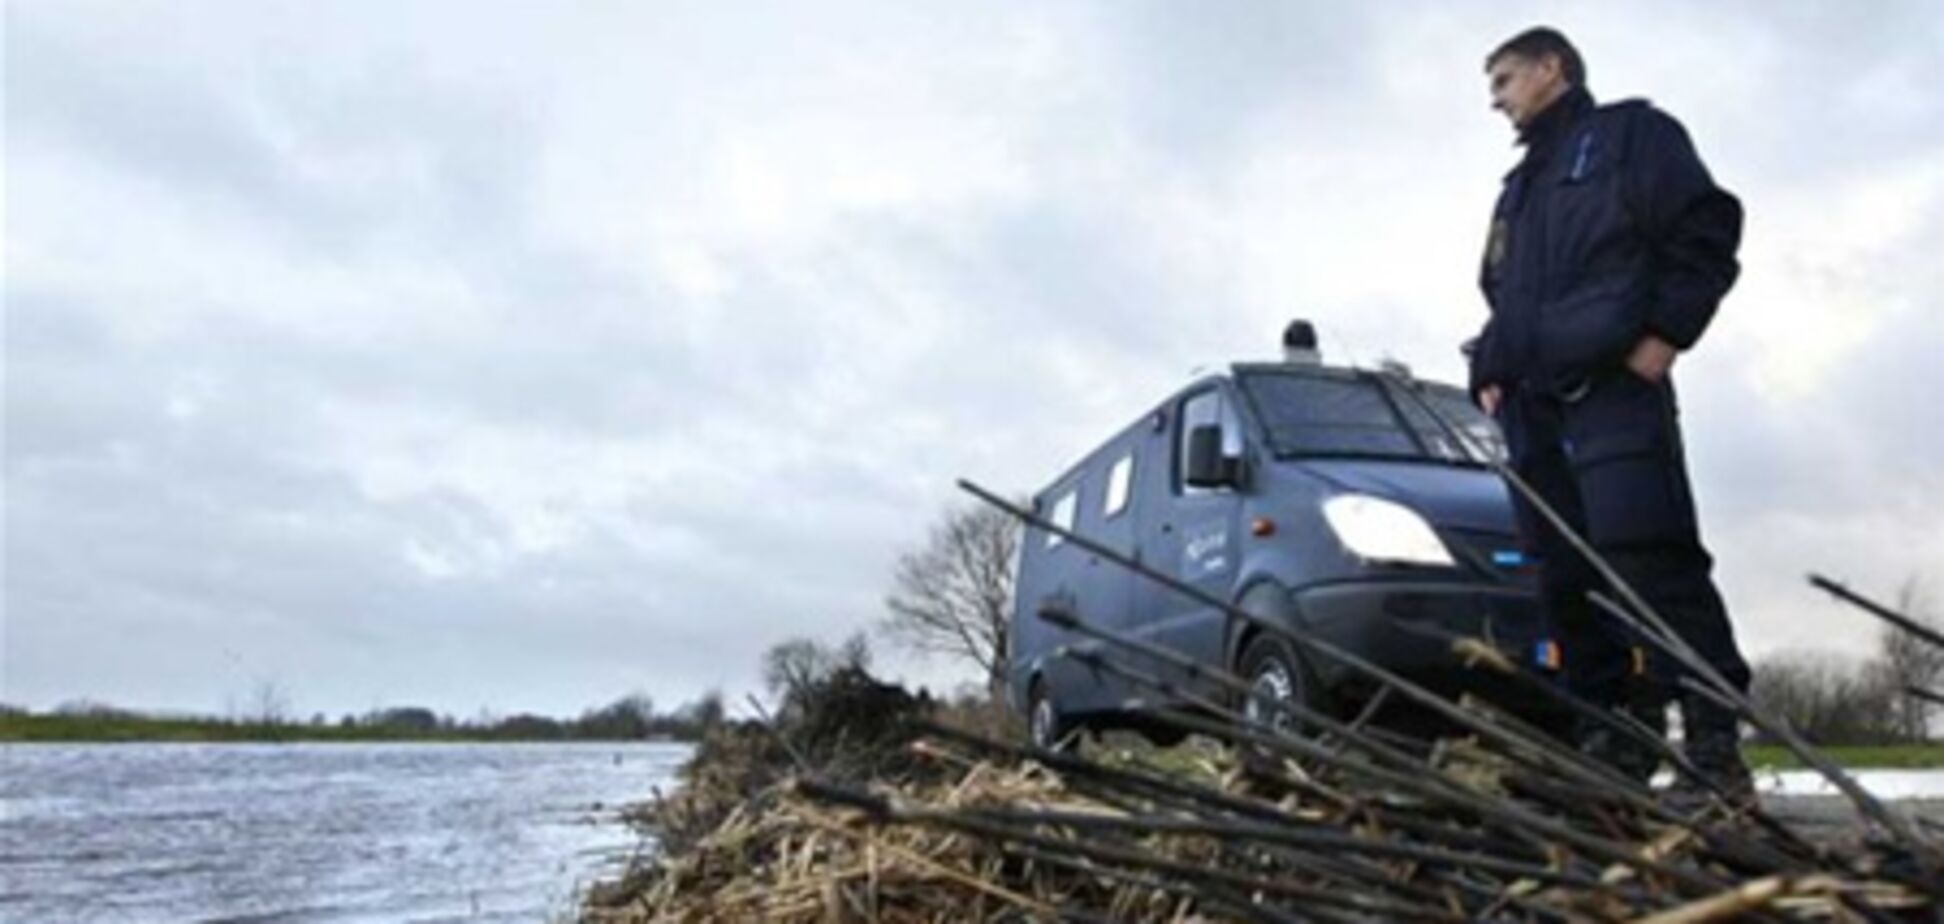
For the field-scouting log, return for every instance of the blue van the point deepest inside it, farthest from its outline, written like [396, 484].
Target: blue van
[1321, 496]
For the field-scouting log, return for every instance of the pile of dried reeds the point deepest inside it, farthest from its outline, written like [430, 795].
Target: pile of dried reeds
[1008, 833]
[800, 858]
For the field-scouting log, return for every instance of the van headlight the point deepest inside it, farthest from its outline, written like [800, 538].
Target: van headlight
[1375, 529]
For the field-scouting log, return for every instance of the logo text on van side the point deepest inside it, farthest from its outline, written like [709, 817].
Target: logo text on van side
[1205, 553]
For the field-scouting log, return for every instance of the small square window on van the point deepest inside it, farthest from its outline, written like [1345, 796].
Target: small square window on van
[1118, 481]
[1062, 517]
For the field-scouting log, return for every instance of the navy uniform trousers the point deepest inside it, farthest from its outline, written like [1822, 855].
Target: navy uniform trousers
[1609, 461]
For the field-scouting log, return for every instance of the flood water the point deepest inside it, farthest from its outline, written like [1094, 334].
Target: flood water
[315, 832]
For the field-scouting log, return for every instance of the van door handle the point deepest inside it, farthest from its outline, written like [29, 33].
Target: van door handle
[1167, 527]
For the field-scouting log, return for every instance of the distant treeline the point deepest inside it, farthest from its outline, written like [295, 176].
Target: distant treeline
[631, 718]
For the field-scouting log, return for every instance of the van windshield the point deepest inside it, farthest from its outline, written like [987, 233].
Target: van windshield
[1331, 412]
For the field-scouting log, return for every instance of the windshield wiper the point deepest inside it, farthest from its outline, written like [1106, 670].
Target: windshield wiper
[1397, 413]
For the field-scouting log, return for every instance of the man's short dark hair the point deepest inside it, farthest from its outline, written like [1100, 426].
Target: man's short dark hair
[1538, 42]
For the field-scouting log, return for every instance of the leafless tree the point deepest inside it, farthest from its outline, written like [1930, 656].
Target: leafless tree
[1827, 698]
[705, 712]
[269, 703]
[954, 596]
[794, 665]
[1906, 661]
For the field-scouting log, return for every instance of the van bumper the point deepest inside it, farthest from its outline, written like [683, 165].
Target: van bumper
[1408, 627]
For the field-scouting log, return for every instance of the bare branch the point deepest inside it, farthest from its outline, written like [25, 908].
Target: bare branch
[954, 595]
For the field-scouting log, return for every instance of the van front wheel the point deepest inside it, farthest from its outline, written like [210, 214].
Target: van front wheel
[1043, 722]
[1277, 679]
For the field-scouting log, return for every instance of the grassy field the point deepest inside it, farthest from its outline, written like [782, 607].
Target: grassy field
[1895, 756]
[23, 727]
[16, 727]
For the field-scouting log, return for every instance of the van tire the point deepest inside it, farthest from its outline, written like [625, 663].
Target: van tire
[1270, 665]
[1045, 727]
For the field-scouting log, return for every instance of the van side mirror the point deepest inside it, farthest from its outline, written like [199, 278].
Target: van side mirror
[1207, 467]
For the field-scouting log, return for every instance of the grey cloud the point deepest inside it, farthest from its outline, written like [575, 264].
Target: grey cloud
[1197, 84]
[335, 160]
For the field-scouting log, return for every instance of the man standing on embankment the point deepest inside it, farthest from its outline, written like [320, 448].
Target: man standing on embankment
[1609, 250]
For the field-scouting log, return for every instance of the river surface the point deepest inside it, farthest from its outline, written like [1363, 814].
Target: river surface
[315, 832]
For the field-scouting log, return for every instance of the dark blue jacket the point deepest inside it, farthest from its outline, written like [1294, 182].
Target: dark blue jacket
[1609, 229]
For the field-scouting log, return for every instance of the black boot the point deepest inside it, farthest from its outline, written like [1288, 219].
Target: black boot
[1712, 742]
[1623, 751]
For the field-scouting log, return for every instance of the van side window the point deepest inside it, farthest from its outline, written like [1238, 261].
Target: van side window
[1062, 517]
[1118, 480]
[1201, 409]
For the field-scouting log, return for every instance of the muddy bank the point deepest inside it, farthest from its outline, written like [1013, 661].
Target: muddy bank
[1833, 820]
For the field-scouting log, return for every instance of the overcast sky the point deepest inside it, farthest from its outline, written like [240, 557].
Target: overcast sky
[518, 356]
